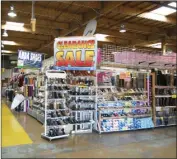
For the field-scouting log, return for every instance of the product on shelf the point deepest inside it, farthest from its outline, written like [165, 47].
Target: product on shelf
[123, 108]
[81, 100]
[56, 112]
[164, 99]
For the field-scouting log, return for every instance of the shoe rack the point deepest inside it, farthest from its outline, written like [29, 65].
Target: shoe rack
[37, 108]
[120, 108]
[164, 99]
[57, 115]
[81, 101]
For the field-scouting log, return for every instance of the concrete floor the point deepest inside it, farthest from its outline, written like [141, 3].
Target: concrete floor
[153, 143]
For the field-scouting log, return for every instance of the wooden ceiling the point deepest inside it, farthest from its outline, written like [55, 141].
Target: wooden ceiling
[58, 19]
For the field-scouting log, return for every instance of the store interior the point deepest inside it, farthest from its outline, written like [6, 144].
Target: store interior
[93, 79]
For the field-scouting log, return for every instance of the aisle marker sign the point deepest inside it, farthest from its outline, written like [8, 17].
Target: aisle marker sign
[75, 53]
[28, 59]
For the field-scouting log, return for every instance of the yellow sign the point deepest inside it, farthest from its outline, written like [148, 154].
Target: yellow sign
[173, 96]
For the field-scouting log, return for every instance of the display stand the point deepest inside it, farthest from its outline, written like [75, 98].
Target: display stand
[55, 105]
[82, 100]
[164, 102]
[121, 109]
[37, 110]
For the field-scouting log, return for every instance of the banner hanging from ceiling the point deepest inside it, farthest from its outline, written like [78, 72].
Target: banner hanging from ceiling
[28, 59]
[75, 53]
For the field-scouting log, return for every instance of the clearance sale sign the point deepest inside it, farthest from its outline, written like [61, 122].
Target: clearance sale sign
[75, 53]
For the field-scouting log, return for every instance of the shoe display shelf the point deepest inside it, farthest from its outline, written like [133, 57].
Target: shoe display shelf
[82, 100]
[164, 101]
[56, 123]
[36, 109]
[121, 109]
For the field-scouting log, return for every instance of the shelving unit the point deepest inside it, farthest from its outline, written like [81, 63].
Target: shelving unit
[164, 103]
[54, 126]
[117, 112]
[84, 116]
[36, 109]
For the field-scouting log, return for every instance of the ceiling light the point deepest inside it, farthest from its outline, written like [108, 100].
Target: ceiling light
[173, 4]
[5, 42]
[12, 13]
[15, 24]
[2, 46]
[101, 37]
[5, 34]
[133, 48]
[163, 11]
[122, 29]
[6, 51]
[156, 45]
[13, 62]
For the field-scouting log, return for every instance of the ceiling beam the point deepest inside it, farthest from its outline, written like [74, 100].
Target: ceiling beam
[27, 35]
[131, 26]
[135, 12]
[86, 18]
[39, 30]
[25, 8]
[39, 22]
[23, 41]
[126, 35]
[85, 4]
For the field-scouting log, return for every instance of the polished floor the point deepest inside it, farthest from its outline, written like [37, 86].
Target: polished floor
[153, 143]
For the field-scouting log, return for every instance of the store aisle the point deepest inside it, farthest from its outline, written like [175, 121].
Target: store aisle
[12, 132]
[151, 143]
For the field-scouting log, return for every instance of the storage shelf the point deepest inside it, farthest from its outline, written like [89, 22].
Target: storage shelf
[77, 85]
[163, 87]
[83, 76]
[165, 96]
[105, 87]
[56, 99]
[111, 108]
[166, 106]
[82, 96]
[82, 110]
[55, 137]
[165, 125]
[124, 130]
[135, 116]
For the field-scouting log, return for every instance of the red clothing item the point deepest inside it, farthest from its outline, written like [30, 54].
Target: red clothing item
[20, 80]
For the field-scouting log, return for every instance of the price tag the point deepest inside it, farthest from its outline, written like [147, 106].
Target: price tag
[173, 96]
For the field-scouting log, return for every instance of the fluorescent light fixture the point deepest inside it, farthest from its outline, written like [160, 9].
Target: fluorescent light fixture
[15, 24]
[101, 37]
[5, 42]
[6, 51]
[122, 29]
[13, 62]
[6, 54]
[2, 46]
[12, 13]
[173, 4]
[133, 48]
[5, 34]
[156, 45]
[163, 11]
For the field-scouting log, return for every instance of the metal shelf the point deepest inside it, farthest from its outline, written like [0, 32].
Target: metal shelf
[135, 116]
[163, 87]
[55, 137]
[165, 96]
[117, 108]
